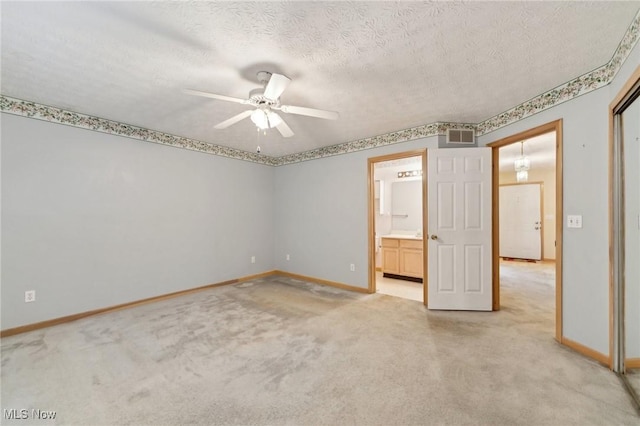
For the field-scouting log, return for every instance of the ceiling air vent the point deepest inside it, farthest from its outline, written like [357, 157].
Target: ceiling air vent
[461, 136]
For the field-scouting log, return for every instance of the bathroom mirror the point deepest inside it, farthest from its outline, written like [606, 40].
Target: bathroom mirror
[406, 206]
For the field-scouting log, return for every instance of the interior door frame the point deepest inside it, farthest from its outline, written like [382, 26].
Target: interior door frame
[371, 162]
[617, 357]
[541, 186]
[495, 147]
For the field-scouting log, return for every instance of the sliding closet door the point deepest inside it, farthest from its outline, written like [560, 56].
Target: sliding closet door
[631, 190]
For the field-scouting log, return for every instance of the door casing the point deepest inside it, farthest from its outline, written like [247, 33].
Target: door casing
[371, 162]
[536, 131]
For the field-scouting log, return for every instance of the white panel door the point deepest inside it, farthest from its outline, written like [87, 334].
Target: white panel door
[459, 206]
[520, 221]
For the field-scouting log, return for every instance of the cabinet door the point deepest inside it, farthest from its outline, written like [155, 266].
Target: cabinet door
[411, 262]
[390, 260]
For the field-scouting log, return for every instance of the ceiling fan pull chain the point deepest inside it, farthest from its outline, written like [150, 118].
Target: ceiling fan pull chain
[258, 140]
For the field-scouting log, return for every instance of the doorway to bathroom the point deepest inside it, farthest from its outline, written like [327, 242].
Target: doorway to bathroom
[397, 190]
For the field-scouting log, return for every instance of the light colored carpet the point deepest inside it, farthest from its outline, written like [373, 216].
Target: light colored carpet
[633, 377]
[277, 351]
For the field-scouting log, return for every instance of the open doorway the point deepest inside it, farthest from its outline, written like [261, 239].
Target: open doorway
[527, 227]
[397, 190]
[527, 231]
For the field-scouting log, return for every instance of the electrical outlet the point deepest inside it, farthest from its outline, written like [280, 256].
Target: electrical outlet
[29, 296]
[352, 267]
[288, 257]
[574, 221]
[253, 259]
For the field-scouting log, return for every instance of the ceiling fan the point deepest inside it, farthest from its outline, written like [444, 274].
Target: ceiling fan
[266, 101]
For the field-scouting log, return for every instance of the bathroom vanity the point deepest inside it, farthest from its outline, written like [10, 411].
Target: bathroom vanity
[402, 257]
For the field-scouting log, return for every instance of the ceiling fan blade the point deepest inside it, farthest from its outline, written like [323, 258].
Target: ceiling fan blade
[275, 87]
[284, 130]
[311, 112]
[234, 119]
[215, 96]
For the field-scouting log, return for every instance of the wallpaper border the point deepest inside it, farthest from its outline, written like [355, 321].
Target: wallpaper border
[581, 85]
[87, 122]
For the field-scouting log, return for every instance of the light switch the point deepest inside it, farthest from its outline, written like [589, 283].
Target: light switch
[574, 221]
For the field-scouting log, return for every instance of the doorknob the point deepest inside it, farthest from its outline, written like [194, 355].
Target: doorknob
[434, 237]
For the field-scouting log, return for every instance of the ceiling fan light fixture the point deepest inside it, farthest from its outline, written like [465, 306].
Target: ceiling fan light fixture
[274, 119]
[265, 100]
[265, 119]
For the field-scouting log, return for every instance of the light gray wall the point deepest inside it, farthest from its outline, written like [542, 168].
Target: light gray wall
[91, 220]
[321, 214]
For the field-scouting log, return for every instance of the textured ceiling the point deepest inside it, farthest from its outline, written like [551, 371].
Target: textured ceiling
[384, 66]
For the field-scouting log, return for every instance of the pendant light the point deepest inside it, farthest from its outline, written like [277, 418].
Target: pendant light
[522, 165]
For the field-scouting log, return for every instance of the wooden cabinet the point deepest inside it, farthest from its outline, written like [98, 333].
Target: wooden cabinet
[402, 257]
[390, 256]
[411, 258]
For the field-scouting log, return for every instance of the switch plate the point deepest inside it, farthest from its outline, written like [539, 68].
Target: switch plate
[288, 257]
[574, 221]
[352, 267]
[253, 259]
[29, 296]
